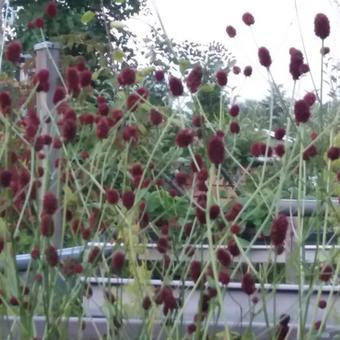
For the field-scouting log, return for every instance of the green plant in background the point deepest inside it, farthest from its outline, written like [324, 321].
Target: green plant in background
[82, 27]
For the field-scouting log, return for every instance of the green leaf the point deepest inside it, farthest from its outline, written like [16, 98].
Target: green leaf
[184, 64]
[87, 17]
[70, 197]
[117, 24]
[248, 335]
[119, 1]
[243, 243]
[118, 55]
[207, 88]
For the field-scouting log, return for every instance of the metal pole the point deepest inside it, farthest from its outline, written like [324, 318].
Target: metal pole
[47, 56]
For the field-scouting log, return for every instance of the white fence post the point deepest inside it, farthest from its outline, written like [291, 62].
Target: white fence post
[291, 251]
[47, 56]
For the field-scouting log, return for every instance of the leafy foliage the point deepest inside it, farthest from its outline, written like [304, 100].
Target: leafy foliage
[68, 26]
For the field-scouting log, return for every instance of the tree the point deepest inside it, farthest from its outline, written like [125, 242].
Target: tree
[68, 28]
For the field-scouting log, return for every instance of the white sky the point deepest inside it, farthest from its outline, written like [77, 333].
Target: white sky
[276, 27]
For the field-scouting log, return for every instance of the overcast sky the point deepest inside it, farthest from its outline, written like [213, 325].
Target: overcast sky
[276, 27]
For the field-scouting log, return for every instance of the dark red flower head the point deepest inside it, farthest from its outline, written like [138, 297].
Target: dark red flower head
[85, 78]
[112, 196]
[216, 151]
[234, 110]
[39, 22]
[304, 68]
[2, 246]
[5, 102]
[231, 31]
[5, 178]
[333, 153]
[279, 133]
[221, 78]
[101, 99]
[181, 178]
[324, 50]
[94, 254]
[233, 212]
[133, 101]
[118, 260]
[71, 266]
[234, 127]
[197, 164]
[197, 120]
[310, 152]
[43, 75]
[131, 133]
[41, 78]
[279, 150]
[264, 57]
[175, 86]
[59, 95]
[81, 64]
[309, 98]
[224, 257]
[50, 203]
[296, 62]
[102, 128]
[236, 70]
[146, 304]
[117, 115]
[51, 256]
[46, 225]
[248, 284]
[155, 117]
[136, 169]
[103, 109]
[13, 51]
[248, 19]
[30, 25]
[73, 80]
[184, 138]
[162, 245]
[214, 211]
[127, 76]
[69, 129]
[159, 75]
[51, 9]
[233, 248]
[279, 229]
[223, 277]
[322, 304]
[194, 79]
[321, 26]
[248, 70]
[195, 270]
[301, 111]
[326, 272]
[128, 199]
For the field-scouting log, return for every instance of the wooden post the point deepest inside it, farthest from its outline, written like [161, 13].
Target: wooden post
[47, 57]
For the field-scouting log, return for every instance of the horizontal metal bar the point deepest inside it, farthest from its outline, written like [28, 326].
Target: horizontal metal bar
[285, 288]
[291, 207]
[256, 254]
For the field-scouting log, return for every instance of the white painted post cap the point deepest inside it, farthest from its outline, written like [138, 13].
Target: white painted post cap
[46, 44]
